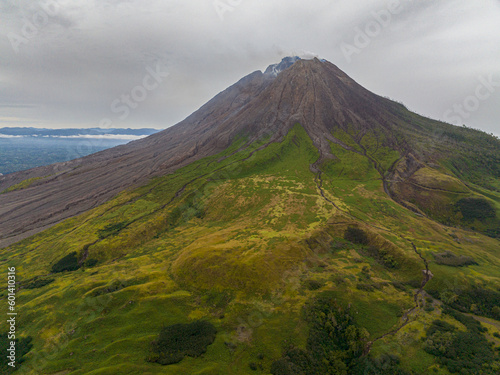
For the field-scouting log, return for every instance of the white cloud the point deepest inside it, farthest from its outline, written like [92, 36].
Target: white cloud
[10, 136]
[102, 136]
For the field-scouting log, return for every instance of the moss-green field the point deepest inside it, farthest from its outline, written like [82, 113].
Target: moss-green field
[244, 240]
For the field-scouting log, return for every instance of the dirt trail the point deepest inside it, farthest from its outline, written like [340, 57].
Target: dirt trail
[427, 275]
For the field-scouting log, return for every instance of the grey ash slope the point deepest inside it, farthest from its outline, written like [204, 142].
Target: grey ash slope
[314, 93]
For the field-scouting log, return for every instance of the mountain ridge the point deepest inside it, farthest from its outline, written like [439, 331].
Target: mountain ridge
[312, 92]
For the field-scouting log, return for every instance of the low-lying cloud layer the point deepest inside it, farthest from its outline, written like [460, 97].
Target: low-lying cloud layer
[136, 63]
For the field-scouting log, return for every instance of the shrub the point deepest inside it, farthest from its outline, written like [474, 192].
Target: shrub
[113, 286]
[386, 364]
[39, 283]
[486, 301]
[399, 286]
[337, 279]
[365, 286]
[475, 209]
[217, 299]
[68, 263]
[413, 283]
[111, 229]
[382, 256]
[313, 284]
[180, 340]
[449, 259]
[356, 235]
[91, 262]
[23, 346]
[284, 367]
[335, 246]
[333, 345]
[495, 312]
[465, 352]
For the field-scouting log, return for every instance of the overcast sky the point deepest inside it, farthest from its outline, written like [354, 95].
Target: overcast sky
[151, 63]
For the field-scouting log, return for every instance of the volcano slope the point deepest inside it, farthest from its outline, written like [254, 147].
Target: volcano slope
[295, 224]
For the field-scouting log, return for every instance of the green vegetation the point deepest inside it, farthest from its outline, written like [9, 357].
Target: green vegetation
[447, 258]
[471, 299]
[356, 235]
[475, 209]
[22, 347]
[112, 287]
[461, 352]
[22, 185]
[39, 283]
[111, 230]
[245, 240]
[385, 364]
[180, 340]
[383, 256]
[67, 263]
[479, 214]
[313, 284]
[480, 301]
[91, 262]
[334, 342]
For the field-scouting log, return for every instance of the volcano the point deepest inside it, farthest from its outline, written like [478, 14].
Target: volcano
[293, 199]
[313, 93]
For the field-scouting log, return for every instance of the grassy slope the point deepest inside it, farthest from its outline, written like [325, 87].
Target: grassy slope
[235, 242]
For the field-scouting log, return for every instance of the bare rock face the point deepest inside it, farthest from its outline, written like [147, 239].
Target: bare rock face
[428, 275]
[314, 93]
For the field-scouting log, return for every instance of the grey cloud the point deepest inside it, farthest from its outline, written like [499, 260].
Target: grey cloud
[91, 52]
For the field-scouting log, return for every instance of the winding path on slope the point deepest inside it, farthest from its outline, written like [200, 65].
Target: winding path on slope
[426, 273]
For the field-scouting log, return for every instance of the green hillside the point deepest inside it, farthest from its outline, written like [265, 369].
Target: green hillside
[267, 259]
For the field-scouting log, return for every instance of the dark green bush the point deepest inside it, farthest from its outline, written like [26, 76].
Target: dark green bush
[68, 263]
[111, 229]
[191, 208]
[91, 263]
[23, 346]
[180, 340]
[486, 301]
[333, 345]
[386, 364]
[447, 258]
[356, 235]
[475, 209]
[313, 284]
[285, 367]
[217, 299]
[493, 232]
[382, 256]
[365, 286]
[336, 246]
[114, 286]
[413, 283]
[399, 286]
[39, 283]
[465, 352]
